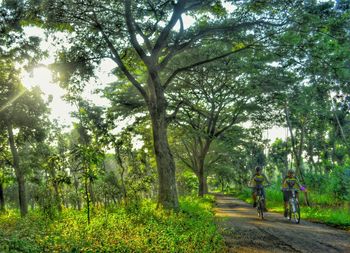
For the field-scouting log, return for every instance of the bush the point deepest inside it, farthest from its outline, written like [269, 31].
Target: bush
[142, 228]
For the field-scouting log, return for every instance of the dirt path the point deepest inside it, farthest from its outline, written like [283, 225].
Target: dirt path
[245, 233]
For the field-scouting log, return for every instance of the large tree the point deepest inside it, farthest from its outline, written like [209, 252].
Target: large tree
[143, 37]
[24, 111]
[214, 99]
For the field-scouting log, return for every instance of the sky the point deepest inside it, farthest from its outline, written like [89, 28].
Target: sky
[42, 77]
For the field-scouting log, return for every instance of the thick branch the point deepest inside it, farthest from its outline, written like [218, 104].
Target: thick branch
[132, 32]
[121, 65]
[232, 122]
[189, 67]
[144, 37]
[173, 115]
[161, 41]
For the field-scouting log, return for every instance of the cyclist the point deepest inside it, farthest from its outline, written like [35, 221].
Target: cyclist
[290, 182]
[258, 181]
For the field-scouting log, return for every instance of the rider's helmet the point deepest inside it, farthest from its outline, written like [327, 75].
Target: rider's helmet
[290, 172]
[257, 169]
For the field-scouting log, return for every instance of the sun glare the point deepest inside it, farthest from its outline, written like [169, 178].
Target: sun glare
[42, 77]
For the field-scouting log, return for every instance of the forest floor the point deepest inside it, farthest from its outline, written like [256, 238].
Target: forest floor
[245, 232]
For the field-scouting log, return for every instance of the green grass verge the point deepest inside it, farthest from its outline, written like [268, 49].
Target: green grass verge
[141, 228]
[322, 210]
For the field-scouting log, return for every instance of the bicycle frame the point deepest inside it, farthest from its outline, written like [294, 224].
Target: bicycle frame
[294, 209]
[260, 203]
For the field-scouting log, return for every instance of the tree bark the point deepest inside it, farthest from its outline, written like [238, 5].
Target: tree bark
[120, 162]
[19, 173]
[297, 153]
[57, 197]
[2, 199]
[201, 174]
[56, 189]
[205, 184]
[167, 196]
[87, 199]
[76, 186]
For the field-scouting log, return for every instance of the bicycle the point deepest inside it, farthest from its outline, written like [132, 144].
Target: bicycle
[260, 201]
[293, 207]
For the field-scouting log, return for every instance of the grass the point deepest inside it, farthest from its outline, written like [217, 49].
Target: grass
[323, 209]
[138, 228]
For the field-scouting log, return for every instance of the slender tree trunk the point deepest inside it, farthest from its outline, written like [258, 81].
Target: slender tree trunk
[56, 189]
[297, 153]
[205, 182]
[19, 173]
[76, 186]
[120, 162]
[167, 196]
[2, 198]
[87, 199]
[201, 174]
[92, 194]
[57, 197]
[201, 181]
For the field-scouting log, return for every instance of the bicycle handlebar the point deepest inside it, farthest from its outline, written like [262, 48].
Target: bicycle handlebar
[268, 185]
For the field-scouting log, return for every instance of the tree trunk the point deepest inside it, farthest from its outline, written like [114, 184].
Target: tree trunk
[120, 162]
[56, 189]
[92, 194]
[201, 181]
[298, 156]
[205, 182]
[201, 161]
[2, 199]
[87, 199]
[167, 196]
[57, 197]
[76, 186]
[19, 173]
[297, 153]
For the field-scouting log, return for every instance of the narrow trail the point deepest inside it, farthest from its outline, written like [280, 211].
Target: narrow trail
[244, 232]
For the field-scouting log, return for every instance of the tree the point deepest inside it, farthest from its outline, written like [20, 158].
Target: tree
[16, 102]
[213, 102]
[5, 162]
[142, 38]
[23, 110]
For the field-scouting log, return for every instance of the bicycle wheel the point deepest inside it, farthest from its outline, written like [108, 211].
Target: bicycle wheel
[296, 214]
[260, 208]
[290, 211]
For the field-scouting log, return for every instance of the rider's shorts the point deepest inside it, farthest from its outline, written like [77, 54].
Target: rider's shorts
[255, 190]
[287, 195]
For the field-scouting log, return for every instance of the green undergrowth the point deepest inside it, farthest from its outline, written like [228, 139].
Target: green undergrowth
[322, 209]
[136, 228]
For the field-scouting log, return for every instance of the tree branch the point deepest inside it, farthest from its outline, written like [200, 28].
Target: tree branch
[189, 67]
[173, 115]
[121, 65]
[132, 32]
[161, 41]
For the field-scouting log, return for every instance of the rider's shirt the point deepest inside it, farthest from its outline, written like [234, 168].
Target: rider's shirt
[259, 180]
[291, 183]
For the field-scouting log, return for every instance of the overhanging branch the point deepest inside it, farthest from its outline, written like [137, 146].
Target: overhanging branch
[189, 67]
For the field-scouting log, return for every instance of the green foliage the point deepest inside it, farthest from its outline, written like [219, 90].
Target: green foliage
[187, 182]
[323, 209]
[134, 229]
[335, 185]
